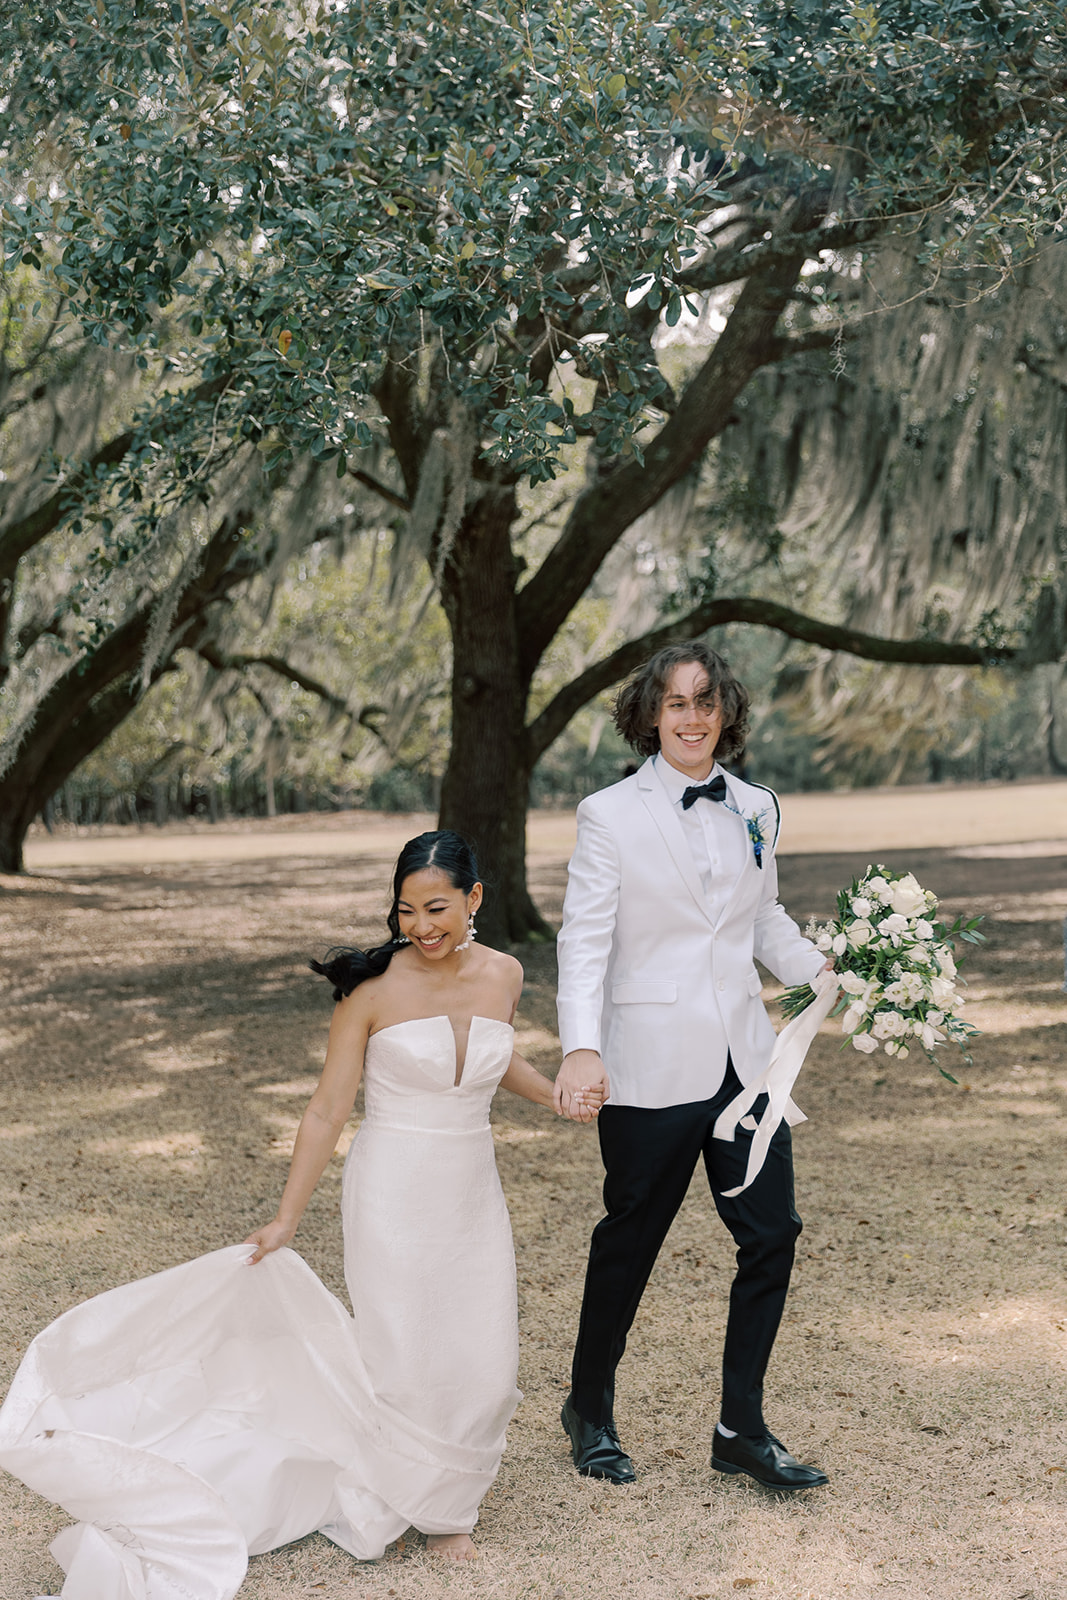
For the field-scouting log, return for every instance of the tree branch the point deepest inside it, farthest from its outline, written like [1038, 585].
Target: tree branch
[606, 509]
[221, 662]
[19, 537]
[798, 344]
[97, 692]
[1039, 368]
[722, 267]
[551, 722]
[379, 488]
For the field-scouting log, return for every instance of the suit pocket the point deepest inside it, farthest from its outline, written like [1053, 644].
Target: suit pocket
[649, 992]
[754, 984]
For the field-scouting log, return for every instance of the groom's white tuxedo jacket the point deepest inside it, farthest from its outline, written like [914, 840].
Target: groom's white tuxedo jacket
[654, 973]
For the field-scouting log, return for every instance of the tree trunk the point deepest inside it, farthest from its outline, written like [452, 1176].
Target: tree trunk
[268, 783]
[485, 789]
[90, 701]
[1055, 760]
[14, 826]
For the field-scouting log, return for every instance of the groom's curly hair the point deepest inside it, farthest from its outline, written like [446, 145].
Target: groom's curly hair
[638, 702]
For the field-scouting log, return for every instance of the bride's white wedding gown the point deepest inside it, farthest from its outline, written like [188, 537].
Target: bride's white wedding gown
[219, 1410]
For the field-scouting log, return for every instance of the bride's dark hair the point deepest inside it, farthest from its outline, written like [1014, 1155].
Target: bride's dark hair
[450, 853]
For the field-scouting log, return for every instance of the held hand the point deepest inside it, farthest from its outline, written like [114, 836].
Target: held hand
[587, 1103]
[582, 1086]
[272, 1237]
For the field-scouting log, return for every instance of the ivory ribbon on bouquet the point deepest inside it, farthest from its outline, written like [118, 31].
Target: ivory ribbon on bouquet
[777, 1080]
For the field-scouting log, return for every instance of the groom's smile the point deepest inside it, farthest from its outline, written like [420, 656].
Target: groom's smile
[690, 721]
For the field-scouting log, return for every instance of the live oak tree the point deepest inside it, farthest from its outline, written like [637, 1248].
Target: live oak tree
[90, 617]
[435, 244]
[98, 601]
[95, 603]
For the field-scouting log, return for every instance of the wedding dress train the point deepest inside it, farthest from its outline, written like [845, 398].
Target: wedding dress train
[215, 1410]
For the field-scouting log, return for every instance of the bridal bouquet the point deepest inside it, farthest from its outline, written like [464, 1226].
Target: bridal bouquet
[896, 965]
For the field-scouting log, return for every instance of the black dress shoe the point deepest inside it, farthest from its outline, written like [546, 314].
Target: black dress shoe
[765, 1459]
[596, 1449]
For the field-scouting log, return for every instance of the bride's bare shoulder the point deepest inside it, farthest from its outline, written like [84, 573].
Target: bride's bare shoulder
[381, 995]
[503, 969]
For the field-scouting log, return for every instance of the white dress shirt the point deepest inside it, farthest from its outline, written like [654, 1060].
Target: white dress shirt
[717, 837]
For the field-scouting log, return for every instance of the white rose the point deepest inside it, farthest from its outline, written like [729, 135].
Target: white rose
[943, 993]
[878, 889]
[859, 934]
[823, 942]
[907, 897]
[888, 1025]
[861, 907]
[864, 1042]
[944, 958]
[896, 922]
[924, 930]
[913, 986]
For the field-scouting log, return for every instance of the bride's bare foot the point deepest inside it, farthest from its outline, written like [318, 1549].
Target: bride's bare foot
[452, 1546]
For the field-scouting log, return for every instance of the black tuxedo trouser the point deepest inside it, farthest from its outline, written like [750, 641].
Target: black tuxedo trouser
[649, 1158]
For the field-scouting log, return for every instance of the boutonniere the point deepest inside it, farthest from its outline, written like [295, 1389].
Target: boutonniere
[758, 838]
[754, 827]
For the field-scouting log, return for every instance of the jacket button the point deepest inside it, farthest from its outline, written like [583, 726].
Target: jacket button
[721, 983]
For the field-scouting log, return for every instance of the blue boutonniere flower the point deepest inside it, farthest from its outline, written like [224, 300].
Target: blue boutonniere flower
[759, 832]
[756, 834]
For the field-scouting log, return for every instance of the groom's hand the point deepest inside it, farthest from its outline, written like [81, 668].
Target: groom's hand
[582, 1069]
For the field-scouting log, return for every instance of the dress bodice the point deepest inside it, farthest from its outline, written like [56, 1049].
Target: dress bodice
[410, 1074]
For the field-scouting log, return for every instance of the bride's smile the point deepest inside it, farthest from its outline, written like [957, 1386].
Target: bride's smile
[434, 915]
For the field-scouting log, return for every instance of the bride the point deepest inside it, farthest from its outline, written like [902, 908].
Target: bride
[208, 1413]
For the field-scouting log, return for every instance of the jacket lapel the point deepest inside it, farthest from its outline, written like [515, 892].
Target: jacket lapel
[663, 815]
[749, 874]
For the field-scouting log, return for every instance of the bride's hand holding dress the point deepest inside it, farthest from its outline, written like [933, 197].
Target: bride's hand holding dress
[325, 1116]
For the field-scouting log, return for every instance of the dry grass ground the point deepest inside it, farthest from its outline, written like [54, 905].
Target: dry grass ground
[161, 1033]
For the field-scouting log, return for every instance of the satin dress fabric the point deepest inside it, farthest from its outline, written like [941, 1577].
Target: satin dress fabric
[216, 1411]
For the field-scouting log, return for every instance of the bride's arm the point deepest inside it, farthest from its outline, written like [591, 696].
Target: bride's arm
[320, 1127]
[524, 1080]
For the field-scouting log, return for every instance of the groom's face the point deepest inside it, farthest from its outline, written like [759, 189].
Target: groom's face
[690, 721]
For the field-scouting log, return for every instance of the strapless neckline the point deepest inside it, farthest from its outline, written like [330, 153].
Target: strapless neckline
[459, 1068]
[441, 1016]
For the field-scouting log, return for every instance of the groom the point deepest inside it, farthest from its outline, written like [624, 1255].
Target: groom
[671, 893]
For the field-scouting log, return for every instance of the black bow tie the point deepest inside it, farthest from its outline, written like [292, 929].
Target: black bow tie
[715, 790]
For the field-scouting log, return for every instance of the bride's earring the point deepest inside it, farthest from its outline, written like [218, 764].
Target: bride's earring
[472, 933]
